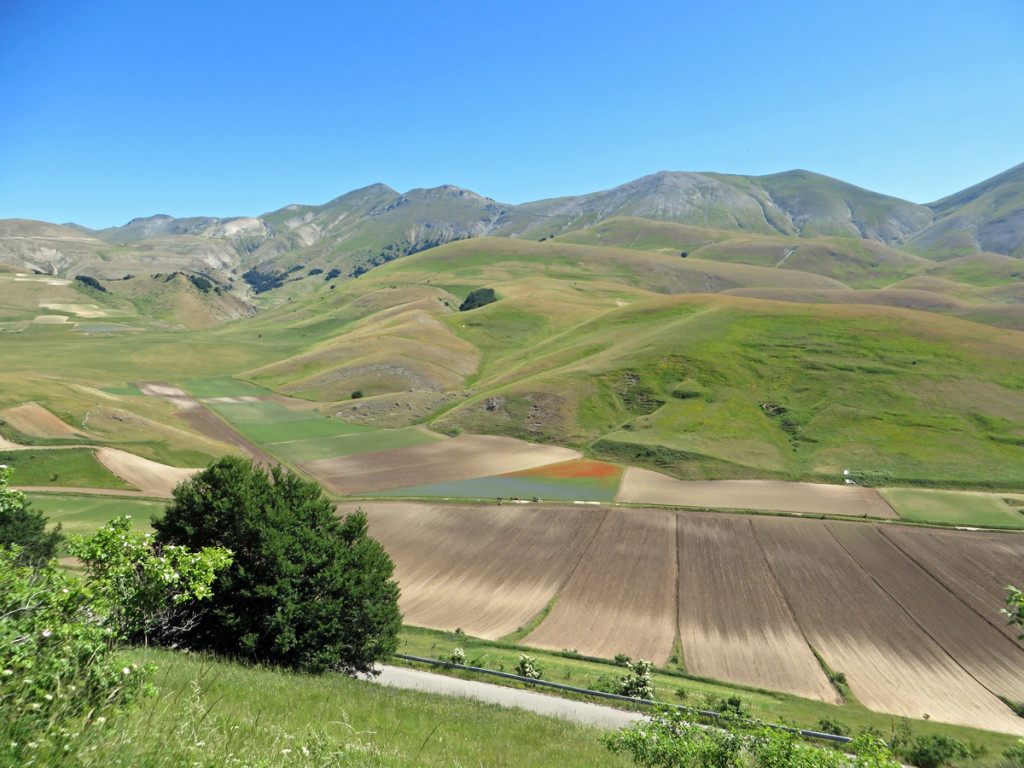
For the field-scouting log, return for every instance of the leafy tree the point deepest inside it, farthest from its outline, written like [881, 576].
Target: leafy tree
[92, 282]
[478, 298]
[136, 584]
[305, 590]
[23, 526]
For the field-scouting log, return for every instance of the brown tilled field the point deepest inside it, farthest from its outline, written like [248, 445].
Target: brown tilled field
[622, 593]
[642, 486]
[891, 663]
[974, 641]
[976, 566]
[910, 615]
[150, 477]
[33, 419]
[460, 458]
[734, 622]
[486, 570]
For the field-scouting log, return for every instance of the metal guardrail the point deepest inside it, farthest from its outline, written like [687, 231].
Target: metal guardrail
[615, 696]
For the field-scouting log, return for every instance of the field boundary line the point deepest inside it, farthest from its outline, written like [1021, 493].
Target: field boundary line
[617, 697]
[789, 607]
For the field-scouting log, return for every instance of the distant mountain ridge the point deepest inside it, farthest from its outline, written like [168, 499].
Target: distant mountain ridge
[369, 226]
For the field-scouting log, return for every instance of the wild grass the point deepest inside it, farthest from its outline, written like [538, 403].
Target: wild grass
[217, 713]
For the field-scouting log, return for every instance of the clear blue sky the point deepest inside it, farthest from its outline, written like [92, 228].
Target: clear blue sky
[111, 110]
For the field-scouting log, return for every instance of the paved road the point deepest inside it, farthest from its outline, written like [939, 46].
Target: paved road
[552, 706]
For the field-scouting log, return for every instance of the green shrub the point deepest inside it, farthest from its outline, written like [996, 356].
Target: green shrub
[478, 298]
[1014, 756]
[833, 726]
[637, 684]
[933, 750]
[528, 667]
[58, 663]
[305, 590]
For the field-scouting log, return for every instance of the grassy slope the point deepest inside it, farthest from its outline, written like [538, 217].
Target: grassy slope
[219, 713]
[581, 351]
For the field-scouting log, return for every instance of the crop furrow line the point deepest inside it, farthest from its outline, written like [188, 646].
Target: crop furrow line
[938, 580]
[908, 614]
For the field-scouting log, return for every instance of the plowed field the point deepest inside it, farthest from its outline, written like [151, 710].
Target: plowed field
[911, 616]
[977, 645]
[150, 477]
[976, 566]
[642, 486]
[486, 570]
[891, 663]
[33, 419]
[457, 459]
[716, 599]
[621, 596]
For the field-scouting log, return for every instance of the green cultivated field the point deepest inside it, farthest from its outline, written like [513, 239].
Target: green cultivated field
[301, 430]
[351, 444]
[224, 386]
[258, 412]
[85, 514]
[76, 467]
[982, 510]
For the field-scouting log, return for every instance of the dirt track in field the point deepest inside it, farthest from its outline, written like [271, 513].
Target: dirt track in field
[723, 578]
[622, 593]
[642, 486]
[33, 419]
[202, 420]
[150, 477]
[205, 422]
[486, 570]
[460, 458]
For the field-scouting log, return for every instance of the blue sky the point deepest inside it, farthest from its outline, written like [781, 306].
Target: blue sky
[112, 110]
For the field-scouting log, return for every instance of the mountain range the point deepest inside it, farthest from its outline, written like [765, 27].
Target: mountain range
[367, 227]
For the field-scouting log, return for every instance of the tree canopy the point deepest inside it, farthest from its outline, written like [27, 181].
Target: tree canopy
[479, 298]
[23, 526]
[305, 590]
